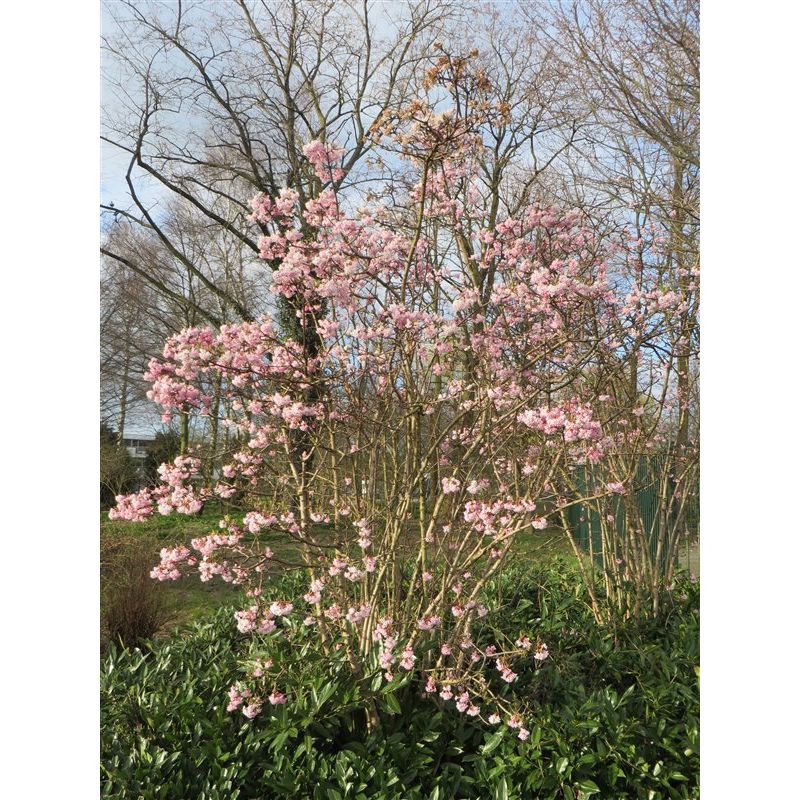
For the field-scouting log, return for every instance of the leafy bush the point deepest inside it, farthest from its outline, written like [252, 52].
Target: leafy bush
[162, 449]
[118, 473]
[618, 715]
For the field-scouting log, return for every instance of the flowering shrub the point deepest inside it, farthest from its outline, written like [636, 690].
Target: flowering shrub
[436, 393]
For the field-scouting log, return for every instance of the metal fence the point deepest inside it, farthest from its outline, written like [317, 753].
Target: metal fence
[584, 519]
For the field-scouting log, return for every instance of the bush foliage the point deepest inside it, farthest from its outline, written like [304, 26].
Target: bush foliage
[117, 469]
[618, 714]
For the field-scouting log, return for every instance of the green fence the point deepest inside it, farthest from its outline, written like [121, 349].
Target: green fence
[584, 520]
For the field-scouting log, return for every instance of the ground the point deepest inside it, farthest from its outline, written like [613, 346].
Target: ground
[191, 599]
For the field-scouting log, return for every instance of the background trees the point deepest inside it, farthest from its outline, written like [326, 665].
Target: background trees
[117, 470]
[637, 62]
[208, 104]
[419, 111]
[213, 104]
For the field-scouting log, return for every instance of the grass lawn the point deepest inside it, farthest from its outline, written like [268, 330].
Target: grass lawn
[190, 599]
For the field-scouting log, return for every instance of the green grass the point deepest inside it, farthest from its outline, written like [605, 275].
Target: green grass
[174, 527]
[540, 546]
[191, 600]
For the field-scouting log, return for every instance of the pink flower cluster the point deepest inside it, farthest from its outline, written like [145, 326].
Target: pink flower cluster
[255, 620]
[575, 421]
[171, 557]
[450, 485]
[251, 704]
[498, 518]
[133, 507]
[323, 156]
[281, 209]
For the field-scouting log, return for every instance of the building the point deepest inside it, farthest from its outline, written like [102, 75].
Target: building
[138, 446]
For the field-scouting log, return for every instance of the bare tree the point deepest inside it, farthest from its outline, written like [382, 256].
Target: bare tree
[147, 294]
[127, 342]
[637, 64]
[582, 103]
[214, 103]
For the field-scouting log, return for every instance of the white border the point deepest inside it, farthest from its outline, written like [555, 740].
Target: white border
[750, 557]
[50, 384]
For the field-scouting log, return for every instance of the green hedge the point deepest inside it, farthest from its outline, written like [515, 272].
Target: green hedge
[617, 716]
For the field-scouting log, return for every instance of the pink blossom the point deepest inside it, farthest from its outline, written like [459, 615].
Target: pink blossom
[236, 698]
[386, 658]
[337, 566]
[353, 573]
[357, 614]
[323, 155]
[252, 710]
[314, 594]
[280, 608]
[450, 485]
[408, 659]
[505, 673]
[135, 507]
[277, 698]
[266, 625]
[168, 569]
